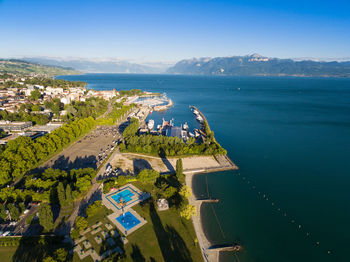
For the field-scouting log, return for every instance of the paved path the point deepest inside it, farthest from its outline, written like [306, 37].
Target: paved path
[109, 109]
[92, 194]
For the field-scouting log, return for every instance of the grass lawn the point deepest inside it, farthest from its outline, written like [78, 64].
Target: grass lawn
[31, 249]
[65, 213]
[6, 253]
[165, 237]
[100, 216]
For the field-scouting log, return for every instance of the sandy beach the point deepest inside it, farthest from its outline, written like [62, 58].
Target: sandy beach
[198, 227]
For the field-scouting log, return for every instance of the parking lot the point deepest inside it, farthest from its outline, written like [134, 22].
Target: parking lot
[90, 151]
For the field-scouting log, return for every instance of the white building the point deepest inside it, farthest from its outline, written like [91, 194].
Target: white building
[65, 100]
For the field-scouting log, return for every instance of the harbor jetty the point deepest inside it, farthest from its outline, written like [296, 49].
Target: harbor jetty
[199, 114]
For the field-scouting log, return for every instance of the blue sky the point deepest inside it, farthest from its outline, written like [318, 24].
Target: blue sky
[173, 30]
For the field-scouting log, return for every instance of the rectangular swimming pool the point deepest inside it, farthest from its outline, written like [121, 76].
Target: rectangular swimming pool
[126, 195]
[128, 220]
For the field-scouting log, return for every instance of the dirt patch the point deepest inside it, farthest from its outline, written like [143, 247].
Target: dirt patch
[136, 162]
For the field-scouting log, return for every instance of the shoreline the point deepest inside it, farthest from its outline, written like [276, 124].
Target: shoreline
[192, 165]
[203, 241]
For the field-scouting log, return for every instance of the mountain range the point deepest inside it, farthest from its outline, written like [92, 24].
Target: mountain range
[21, 67]
[249, 65]
[101, 66]
[257, 65]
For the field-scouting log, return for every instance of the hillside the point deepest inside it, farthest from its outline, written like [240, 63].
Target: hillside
[102, 66]
[26, 68]
[256, 65]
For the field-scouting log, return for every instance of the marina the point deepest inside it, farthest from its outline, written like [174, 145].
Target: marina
[153, 102]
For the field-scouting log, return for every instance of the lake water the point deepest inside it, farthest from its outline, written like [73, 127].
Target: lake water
[290, 137]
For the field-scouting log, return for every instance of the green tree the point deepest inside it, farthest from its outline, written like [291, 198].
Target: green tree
[74, 233]
[132, 128]
[49, 259]
[179, 169]
[187, 211]
[107, 185]
[61, 255]
[35, 108]
[83, 183]
[185, 192]
[46, 216]
[61, 194]
[14, 212]
[3, 214]
[93, 208]
[81, 223]
[69, 197]
[35, 94]
[147, 176]
[169, 192]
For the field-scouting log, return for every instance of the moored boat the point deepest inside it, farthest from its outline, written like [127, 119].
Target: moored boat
[185, 126]
[150, 124]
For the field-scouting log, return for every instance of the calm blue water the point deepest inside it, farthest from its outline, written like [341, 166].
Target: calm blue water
[124, 195]
[128, 220]
[291, 139]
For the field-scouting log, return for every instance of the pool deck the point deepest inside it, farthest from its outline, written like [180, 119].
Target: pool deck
[113, 219]
[110, 203]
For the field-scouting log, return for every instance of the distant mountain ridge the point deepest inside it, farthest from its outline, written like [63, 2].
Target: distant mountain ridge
[257, 65]
[95, 66]
[16, 66]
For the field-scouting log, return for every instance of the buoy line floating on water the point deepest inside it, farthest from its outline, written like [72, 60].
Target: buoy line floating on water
[218, 221]
[216, 217]
[299, 226]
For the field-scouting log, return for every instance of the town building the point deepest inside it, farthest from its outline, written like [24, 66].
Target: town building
[14, 126]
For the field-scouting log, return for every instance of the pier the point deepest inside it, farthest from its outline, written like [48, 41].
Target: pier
[207, 200]
[225, 248]
[200, 113]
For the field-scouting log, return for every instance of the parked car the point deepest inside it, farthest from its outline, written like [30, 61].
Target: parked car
[5, 233]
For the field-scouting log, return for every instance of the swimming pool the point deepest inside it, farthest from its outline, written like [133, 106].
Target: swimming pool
[126, 195]
[128, 220]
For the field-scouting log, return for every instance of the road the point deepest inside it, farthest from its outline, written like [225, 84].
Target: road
[93, 194]
[21, 228]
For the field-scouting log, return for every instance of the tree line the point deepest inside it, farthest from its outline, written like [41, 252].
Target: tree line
[22, 154]
[53, 186]
[92, 106]
[117, 112]
[169, 146]
[43, 81]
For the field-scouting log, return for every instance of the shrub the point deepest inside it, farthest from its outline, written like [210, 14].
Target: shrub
[185, 192]
[187, 211]
[147, 176]
[81, 223]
